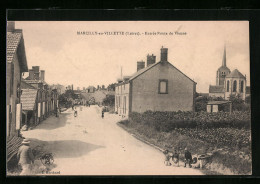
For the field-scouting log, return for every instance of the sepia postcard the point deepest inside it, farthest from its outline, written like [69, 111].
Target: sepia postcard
[128, 98]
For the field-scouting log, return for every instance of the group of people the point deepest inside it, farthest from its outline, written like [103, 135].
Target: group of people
[173, 158]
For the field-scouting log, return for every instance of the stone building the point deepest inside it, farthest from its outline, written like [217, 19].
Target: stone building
[158, 87]
[229, 83]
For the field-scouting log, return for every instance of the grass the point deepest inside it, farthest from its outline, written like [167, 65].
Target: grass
[223, 160]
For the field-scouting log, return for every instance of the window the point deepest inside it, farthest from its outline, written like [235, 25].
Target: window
[235, 86]
[163, 86]
[227, 86]
[242, 87]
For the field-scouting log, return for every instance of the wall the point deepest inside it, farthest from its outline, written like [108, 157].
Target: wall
[145, 95]
[231, 81]
[121, 105]
[13, 99]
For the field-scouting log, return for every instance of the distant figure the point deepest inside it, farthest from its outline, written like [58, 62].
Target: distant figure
[102, 114]
[188, 158]
[25, 157]
[175, 158]
[75, 112]
[57, 111]
[167, 158]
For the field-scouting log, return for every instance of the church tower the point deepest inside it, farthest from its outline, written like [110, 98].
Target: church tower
[222, 71]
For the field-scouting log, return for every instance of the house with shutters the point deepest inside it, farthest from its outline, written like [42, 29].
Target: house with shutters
[159, 86]
[16, 65]
[229, 83]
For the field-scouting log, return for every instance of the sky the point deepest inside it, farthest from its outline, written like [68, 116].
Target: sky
[83, 60]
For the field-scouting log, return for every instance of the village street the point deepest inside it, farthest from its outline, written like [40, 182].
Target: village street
[90, 145]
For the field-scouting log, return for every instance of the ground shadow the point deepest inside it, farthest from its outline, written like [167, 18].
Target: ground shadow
[64, 148]
[53, 122]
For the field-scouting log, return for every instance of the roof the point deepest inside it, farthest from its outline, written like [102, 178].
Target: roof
[13, 41]
[25, 85]
[90, 87]
[235, 74]
[28, 99]
[216, 89]
[218, 102]
[140, 72]
[224, 68]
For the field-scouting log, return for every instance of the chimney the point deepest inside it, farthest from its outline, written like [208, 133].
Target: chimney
[36, 69]
[37, 76]
[10, 26]
[31, 74]
[150, 59]
[140, 65]
[164, 54]
[42, 77]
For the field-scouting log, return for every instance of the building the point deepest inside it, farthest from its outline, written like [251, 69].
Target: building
[16, 65]
[229, 83]
[45, 101]
[91, 89]
[158, 87]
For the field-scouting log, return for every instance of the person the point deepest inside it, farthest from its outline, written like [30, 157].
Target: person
[167, 158]
[57, 111]
[25, 157]
[175, 158]
[102, 114]
[188, 157]
[75, 112]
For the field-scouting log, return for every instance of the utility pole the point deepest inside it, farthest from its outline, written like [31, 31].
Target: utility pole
[121, 73]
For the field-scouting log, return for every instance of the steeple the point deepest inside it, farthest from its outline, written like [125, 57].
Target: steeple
[224, 57]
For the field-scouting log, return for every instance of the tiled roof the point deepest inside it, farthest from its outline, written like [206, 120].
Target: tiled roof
[25, 85]
[28, 99]
[13, 40]
[235, 74]
[216, 89]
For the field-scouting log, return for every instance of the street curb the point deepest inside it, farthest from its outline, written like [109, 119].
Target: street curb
[140, 139]
[150, 144]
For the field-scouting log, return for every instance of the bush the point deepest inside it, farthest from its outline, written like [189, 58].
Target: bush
[167, 121]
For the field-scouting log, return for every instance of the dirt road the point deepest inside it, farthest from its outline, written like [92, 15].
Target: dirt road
[90, 145]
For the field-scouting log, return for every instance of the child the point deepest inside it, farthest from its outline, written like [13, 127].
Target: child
[167, 158]
[188, 158]
[175, 158]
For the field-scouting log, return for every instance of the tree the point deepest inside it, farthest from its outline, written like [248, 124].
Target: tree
[111, 87]
[109, 100]
[201, 103]
[238, 103]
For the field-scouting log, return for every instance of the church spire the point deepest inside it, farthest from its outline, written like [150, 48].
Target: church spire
[224, 57]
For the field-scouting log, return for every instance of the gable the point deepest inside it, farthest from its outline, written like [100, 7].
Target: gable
[159, 64]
